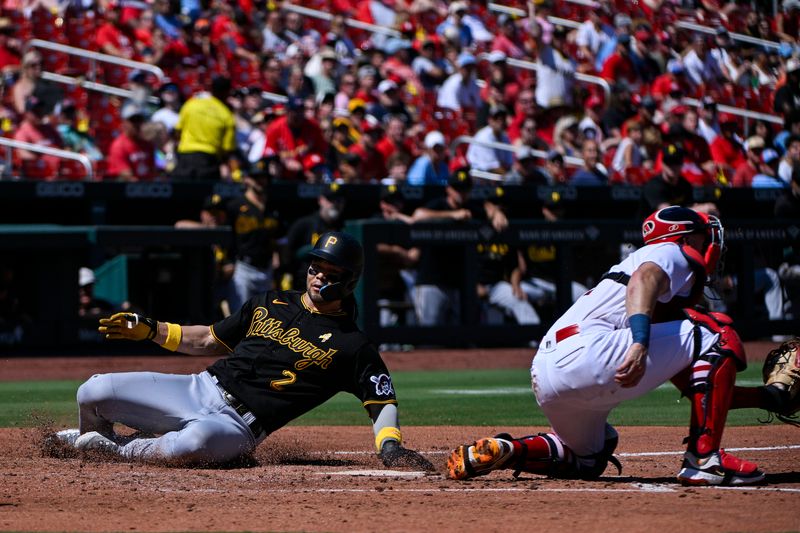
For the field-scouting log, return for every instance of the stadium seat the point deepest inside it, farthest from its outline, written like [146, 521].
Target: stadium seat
[71, 170]
[37, 169]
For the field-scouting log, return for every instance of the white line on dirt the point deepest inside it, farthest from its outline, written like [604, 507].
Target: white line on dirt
[374, 473]
[623, 454]
[752, 449]
[635, 489]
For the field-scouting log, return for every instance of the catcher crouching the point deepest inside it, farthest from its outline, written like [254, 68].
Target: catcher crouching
[287, 352]
[638, 328]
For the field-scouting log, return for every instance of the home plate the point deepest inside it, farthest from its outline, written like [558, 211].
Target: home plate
[374, 473]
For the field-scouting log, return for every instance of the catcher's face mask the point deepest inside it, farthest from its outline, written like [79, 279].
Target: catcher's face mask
[674, 224]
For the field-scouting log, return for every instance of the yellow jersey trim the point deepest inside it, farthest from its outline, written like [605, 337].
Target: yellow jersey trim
[378, 402]
[211, 329]
[315, 312]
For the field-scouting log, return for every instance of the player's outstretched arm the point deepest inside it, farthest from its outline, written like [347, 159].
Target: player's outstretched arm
[389, 440]
[195, 340]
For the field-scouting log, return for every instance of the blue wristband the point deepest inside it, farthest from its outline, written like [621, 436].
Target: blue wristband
[640, 328]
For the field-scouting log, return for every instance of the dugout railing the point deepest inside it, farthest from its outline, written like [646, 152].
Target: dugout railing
[53, 228]
[584, 250]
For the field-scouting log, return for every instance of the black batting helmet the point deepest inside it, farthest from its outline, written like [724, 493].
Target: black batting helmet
[344, 251]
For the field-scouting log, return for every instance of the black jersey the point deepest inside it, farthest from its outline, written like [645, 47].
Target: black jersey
[255, 232]
[287, 359]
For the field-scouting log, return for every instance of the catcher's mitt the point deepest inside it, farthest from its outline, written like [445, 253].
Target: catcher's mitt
[782, 379]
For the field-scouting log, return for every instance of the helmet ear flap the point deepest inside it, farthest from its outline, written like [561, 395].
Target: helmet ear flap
[339, 290]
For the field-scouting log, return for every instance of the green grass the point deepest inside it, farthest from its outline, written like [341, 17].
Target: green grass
[452, 397]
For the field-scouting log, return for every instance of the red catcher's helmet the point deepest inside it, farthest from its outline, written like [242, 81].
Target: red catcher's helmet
[672, 224]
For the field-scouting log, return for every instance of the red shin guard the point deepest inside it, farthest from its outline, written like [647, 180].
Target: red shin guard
[712, 392]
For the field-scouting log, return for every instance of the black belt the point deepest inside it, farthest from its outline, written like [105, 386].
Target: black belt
[248, 417]
[619, 277]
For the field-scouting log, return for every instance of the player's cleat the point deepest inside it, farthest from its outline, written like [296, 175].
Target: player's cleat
[68, 437]
[719, 468]
[61, 444]
[94, 441]
[479, 459]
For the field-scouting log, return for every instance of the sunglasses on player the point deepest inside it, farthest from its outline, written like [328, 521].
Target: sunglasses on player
[331, 277]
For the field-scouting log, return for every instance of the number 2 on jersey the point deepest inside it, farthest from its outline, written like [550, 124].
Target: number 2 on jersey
[278, 384]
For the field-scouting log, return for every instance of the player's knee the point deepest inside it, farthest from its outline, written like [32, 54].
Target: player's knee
[204, 443]
[95, 390]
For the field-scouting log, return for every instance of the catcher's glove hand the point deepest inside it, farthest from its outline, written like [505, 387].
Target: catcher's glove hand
[781, 374]
[129, 326]
[395, 456]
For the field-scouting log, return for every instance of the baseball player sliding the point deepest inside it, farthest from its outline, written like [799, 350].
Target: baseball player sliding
[637, 329]
[288, 352]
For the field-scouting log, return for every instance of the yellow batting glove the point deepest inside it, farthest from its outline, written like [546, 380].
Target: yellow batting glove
[129, 326]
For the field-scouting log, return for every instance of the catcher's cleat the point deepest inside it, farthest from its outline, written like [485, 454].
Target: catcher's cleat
[94, 441]
[479, 459]
[719, 468]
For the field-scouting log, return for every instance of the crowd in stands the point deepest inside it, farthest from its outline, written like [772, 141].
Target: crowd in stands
[248, 83]
[255, 92]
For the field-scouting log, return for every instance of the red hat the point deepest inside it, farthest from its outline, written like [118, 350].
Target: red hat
[311, 161]
[643, 36]
[727, 118]
[593, 101]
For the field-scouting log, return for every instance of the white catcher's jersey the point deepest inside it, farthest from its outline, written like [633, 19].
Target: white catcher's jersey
[573, 373]
[604, 306]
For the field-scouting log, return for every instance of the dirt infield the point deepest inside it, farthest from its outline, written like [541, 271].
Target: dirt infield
[328, 479]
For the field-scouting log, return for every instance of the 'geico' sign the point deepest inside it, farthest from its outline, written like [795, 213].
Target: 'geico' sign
[148, 190]
[60, 190]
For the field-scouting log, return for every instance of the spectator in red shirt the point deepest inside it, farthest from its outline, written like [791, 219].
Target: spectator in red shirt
[674, 80]
[530, 137]
[143, 30]
[698, 166]
[33, 129]
[395, 139]
[115, 37]
[294, 136]
[367, 83]
[130, 157]
[697, 149]
[373, 163]
[753, 146]
[725, 149]
[508, 40]
[525, 109]
[619, 66]
[271, 72]
[9, 46]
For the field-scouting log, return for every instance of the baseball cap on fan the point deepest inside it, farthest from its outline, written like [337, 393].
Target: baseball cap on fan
[387, 85]
[672, 155]
[434, 139]
[460, 180]
[465, 59]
